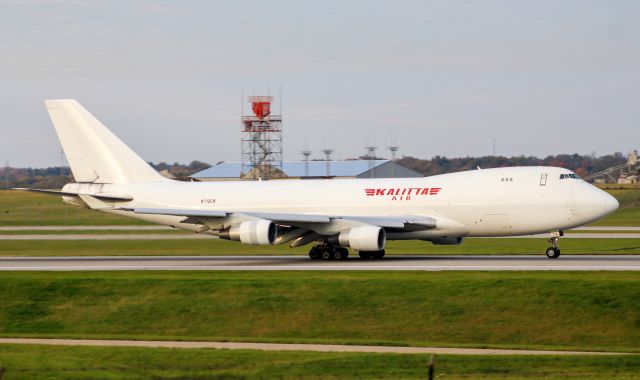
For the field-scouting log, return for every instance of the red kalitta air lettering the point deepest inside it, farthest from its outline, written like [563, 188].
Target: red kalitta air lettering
[403, 193]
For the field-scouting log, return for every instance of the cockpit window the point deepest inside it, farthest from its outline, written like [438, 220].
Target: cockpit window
[570, 175]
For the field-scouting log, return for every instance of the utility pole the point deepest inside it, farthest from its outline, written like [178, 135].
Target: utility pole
[327, 153]
[306, 154]
[371, 152]
[6, 174]
[393, 150]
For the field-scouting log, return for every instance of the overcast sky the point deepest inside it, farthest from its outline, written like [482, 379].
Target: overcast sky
[434, 77]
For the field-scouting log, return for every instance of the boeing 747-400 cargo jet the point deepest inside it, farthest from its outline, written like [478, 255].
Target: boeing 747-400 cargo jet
[333, 214]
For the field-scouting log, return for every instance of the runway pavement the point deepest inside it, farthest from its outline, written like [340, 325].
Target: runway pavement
[183, 236]
[413, 263]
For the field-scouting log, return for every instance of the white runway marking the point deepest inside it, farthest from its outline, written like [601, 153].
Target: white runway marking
[299, 263]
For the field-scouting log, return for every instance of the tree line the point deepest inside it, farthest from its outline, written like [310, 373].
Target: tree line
[56, 177]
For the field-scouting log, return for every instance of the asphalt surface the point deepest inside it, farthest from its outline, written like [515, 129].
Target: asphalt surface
[294, 347]
[159, 227]
[187, 236]
[394, 262]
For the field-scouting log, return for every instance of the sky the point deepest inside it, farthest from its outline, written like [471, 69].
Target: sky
[433, 77]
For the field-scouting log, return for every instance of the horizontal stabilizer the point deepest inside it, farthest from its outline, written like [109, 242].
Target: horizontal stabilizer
[102, 196]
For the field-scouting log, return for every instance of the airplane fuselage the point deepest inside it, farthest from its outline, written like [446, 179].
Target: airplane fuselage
[487, 202]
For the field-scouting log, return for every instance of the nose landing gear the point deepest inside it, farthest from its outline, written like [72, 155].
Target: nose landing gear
[553, 252]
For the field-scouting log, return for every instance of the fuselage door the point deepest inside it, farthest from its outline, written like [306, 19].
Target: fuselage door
[543, 179]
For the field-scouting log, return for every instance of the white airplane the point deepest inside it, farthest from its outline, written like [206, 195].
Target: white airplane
[335, 214]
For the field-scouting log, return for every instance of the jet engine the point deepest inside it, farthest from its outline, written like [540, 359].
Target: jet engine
[365, 238]
[260, 232]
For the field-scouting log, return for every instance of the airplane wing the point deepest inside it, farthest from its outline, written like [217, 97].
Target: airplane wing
[405, 223]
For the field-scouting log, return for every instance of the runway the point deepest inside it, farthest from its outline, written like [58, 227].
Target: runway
[300, 263]
[187, 236]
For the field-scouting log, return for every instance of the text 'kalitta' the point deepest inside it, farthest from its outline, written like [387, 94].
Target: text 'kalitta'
[402, 193]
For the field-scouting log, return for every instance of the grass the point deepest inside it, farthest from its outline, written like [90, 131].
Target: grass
[213, 247]
[629, 212]
[98, 232]
[59, 362]
[550, 310]
[20, 208]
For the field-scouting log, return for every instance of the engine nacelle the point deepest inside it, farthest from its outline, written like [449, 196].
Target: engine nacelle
[447, 241]
[260, 232]
[365, 238]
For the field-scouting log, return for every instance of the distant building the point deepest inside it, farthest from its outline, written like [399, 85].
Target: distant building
[231, 171]
[624, 172]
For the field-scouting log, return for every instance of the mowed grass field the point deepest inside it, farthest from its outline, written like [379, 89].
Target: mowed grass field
[536, 310]
[57, 362]
[23, 208]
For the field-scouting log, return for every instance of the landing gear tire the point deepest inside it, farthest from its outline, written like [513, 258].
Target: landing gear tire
[340, 253]
[327, 253]
[553, 252]
[315, 253]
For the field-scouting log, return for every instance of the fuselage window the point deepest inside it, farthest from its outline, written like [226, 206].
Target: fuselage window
[543, 179]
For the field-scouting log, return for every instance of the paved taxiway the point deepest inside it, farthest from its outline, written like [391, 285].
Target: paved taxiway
[187, 236]
[293, 347]
[395, 262]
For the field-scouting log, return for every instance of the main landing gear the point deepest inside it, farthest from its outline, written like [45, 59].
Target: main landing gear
[328, 251]
[553, 252]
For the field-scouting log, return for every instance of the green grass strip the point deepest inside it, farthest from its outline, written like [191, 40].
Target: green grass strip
[59, 362]
[536, 310]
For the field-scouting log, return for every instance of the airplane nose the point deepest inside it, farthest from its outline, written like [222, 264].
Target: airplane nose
[593, 203]
[610, 203]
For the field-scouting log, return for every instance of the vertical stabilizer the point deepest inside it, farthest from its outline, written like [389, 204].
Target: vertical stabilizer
[94, 153]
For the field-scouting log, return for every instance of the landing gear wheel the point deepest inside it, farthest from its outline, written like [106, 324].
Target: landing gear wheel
[327, 253]
[315, 254]
[553, 252]
[340, 253]
[378, 254]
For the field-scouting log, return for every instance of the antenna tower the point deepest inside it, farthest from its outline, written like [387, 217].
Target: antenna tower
[261, 140]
